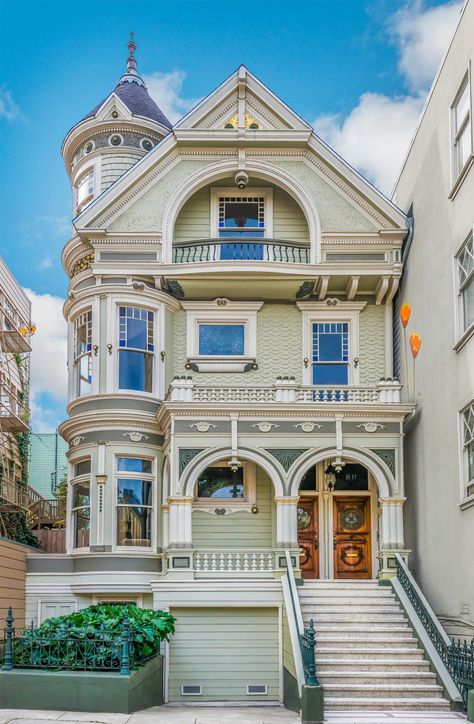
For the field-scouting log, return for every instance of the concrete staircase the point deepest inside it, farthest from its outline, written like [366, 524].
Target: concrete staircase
[367, 657]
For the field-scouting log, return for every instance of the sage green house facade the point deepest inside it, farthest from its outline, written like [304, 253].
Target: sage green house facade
[230, 317]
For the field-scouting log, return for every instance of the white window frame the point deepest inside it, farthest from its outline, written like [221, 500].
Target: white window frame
[218, 191]
[72, 381]
[463, 332]
[222, 312]
[137, 476]
[75, 480]
[313, 312]
[209, 505]
[466, 499]
[92, 165]
[458, 171]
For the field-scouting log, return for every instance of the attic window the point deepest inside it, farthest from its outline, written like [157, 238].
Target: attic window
[114, 114]
[146, 144]
[116, 140]
[89, 147]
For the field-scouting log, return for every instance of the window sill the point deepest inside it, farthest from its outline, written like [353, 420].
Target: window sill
[462, 175]
[465, 337]
[467, 503]
[221, 364]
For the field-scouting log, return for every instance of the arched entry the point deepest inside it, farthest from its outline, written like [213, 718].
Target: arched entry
[337, 521]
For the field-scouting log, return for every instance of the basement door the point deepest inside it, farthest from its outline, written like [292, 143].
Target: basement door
[229, 654]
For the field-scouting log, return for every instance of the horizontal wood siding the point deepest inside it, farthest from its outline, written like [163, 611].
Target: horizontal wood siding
[288, 659]
[12, 580]
[289, 222]
[224, 650]
[237, 530]
[193, 220]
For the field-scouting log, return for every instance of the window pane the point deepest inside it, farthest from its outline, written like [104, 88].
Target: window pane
[308, 481]
[221, 339]
[135, 371]
[241, 214]
[82, 468]
[133, 492]
[468, 304]
[134, 465]
[81, 526]
[464, 146]
[462, 107]
[352, 477]
[84, 372]
[221, 483]
[330, 374]
[330, 347]
[81, 494]
[470, 461]
[134, 526]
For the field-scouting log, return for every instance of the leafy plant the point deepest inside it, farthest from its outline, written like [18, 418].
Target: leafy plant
[91, 638]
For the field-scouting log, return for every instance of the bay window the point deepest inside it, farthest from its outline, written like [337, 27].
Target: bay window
[136, 349]
[85, 188]
[83, 354]
[80, 504]
[134, 485]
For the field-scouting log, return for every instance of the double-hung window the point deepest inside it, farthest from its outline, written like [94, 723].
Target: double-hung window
[330, 358]
[83, 354]
[134, 482]
[468, 449]
[85, 188]
[242, 218]
[80, 504]
[465, 267]
[461, 124]
[136, 349]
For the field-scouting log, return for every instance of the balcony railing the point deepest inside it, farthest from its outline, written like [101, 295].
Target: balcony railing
[285, 390]
[235, 249]
[13, 494]
[223, 561]
[13, 412]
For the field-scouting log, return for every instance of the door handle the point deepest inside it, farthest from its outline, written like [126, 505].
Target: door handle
[316, 543]
[334, 543]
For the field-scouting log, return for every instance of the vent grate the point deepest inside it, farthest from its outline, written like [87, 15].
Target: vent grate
[191, 690]
[256, 689]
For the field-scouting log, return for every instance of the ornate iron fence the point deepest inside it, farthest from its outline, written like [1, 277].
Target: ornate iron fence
[73, 649]
[308, 644]
[457, 657]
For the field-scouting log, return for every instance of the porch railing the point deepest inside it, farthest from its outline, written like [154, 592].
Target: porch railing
[458, 657]
[234, 561]
[284, 390]
[240, 249]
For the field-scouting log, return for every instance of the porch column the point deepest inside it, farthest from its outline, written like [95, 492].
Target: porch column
[180, 521]
[393, 536]
[286, 530]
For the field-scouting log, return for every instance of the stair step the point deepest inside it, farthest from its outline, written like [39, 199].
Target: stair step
[369, 609]
[413, 654]
[407, 704]
[368, 644]
[369, 631]
[347, 596]
[375, 678]
[344, 618]
[331, 663]
[382, 690]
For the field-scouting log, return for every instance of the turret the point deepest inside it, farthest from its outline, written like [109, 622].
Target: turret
[113, 136]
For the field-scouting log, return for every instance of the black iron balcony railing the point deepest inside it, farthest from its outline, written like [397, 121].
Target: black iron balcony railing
[235, 249]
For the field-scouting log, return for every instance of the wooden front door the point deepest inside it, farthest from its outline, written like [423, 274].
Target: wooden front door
[308, 536]
[352, 538]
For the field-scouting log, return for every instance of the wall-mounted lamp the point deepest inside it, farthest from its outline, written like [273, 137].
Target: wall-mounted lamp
[109, 348]
[95, 347]
[306, 362]
[162, 355]
[330, 474]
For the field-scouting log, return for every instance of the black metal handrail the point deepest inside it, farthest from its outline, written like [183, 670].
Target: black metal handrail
[72, 650]
[458, 657]
[240, 249]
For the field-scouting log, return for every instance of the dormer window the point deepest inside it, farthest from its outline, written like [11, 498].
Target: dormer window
[85, 188]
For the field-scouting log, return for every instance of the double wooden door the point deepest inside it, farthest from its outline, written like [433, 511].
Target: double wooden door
[350, 537]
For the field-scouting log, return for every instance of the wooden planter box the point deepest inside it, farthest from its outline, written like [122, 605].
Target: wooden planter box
[100, 691]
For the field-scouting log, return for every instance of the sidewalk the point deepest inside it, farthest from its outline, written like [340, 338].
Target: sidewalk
[222, 715]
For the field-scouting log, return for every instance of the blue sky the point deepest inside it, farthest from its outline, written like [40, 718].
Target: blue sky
[348, 66]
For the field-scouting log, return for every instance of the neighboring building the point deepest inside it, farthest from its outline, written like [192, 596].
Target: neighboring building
[232, 405]
[437, 184]
[48, 462]
[15, 330]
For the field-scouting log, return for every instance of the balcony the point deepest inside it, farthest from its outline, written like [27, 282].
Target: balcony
[238, 249]
[13, 412]
[13, 495]
[284, 390]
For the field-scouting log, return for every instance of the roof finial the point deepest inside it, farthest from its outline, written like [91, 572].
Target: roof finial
[131, 61]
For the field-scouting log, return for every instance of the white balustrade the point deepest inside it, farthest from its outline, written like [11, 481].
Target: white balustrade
[233, 561]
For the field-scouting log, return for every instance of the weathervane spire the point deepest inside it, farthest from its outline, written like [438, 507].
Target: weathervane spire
[131, 60]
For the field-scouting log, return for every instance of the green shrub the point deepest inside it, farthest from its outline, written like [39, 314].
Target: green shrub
[90, 638]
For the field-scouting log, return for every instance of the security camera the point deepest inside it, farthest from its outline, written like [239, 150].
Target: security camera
[241, 179]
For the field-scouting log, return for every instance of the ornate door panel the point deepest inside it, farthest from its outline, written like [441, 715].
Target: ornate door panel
[352, 539]
[308, 537]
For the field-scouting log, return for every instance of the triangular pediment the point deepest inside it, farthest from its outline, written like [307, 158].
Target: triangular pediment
[110, 107]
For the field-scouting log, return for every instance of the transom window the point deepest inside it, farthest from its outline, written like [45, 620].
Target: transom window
[468, 447]
[465, 262]
[461, 113]
[134, 483]
[330, 355]
[80, 505]
[221, 339]
[222, 483]
[85, 187]
[83, 354]
[136, 349]
[242, 216]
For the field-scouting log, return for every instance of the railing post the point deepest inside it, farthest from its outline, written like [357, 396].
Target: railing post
[9, 635]
[125, 654]
[310, 633]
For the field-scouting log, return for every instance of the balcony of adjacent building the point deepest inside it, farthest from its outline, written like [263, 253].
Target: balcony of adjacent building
[13, 410]
[14, 331]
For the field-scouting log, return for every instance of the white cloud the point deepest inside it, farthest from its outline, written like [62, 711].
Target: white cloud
[48, 358]
[375, 134]
[8, 108]
[166, 89]
[423, 37]
[45, 263]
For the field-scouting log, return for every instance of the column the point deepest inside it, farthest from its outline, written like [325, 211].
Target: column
[392, 538]
[180, 521]
[286, 532]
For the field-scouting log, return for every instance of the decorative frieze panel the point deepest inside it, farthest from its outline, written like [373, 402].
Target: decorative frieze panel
[388, 457]
[185, 457]
[285, 456]
[83, 263]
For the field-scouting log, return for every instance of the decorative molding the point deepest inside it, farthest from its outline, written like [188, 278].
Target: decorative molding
[265, 426]
[77, 440]
[202, 426]
[136, 436]
[387, 456]
[285, 456]
[228, 510]
[307, 426]
[290, 500]
[82, 264]
[371, 426]
[185, 457]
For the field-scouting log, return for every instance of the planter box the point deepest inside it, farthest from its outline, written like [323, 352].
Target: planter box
[83, 690]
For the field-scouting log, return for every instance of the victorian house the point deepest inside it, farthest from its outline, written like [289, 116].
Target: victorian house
[232, 405]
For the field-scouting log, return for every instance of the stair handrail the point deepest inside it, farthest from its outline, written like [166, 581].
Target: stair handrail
[457, 658]
[295, 620]
[295, 601]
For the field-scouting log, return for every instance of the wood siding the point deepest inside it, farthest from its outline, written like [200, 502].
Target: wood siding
[224, 650]
[12, 579]
[288, 658]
